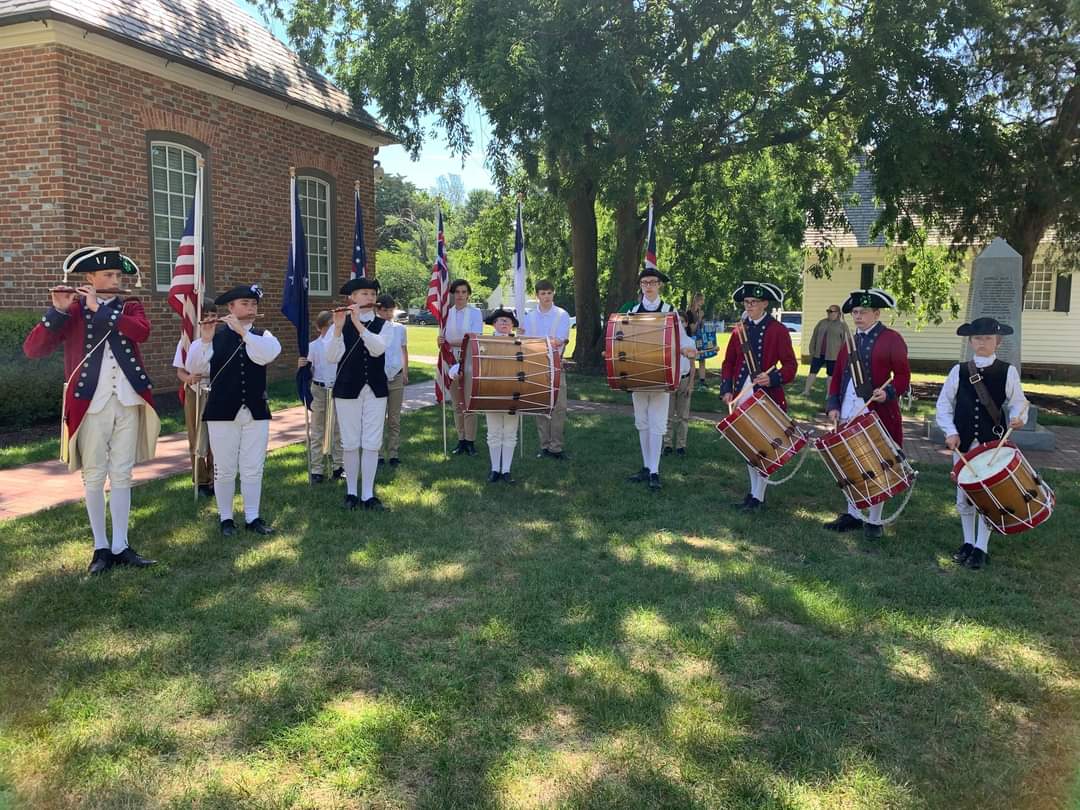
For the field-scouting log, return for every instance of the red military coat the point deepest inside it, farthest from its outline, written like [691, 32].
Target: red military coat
[774, 350]
[888, 355]
[130, 327]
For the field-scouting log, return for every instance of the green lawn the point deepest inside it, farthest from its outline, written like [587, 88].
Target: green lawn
[573, 641]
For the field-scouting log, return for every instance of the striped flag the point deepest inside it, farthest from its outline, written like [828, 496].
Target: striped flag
[519, 266]
[650, 245]
[359, 252]
[438, 304]
[185, 287]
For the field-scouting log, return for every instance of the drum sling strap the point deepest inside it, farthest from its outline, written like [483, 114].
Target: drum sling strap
[864, 385]
[983, 393]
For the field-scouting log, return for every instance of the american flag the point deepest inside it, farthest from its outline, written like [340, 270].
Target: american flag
[438, 304]
[650, 245]
[183, 290]
[359, 252]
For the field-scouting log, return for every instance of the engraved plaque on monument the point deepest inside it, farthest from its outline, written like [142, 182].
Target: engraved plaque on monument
[997, 292]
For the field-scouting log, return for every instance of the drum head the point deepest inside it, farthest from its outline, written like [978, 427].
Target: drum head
[985, 465]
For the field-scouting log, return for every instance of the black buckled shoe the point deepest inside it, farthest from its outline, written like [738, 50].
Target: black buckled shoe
[101, 562]
[873, 531]
[978, 559]
[258, 525]
[130, 556]
[751, 504]
[639, 477]
[507, 479]
[462, 448]
[493, 477]
[844, 523]
[339, 474]
[654, 481]
[961, 555]
[374, 504]
[317, 478]
[351, 502]
[228, 528]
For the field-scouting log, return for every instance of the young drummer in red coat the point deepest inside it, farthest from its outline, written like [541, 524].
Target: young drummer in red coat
[108, 408]
[775, 359]
[884, 353]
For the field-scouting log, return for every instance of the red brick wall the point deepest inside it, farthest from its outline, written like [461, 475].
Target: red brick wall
[74, 166]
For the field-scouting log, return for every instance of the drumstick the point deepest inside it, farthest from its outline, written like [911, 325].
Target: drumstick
[866, 403]
[1002, 441]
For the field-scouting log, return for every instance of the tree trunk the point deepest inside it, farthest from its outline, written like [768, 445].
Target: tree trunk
[623, 285]
[588, 349]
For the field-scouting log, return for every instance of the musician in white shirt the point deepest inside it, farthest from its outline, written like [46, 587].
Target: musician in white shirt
[462, 319]
[397, 375]
[550, 321]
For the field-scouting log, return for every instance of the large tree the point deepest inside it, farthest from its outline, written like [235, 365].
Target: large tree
[590, 97]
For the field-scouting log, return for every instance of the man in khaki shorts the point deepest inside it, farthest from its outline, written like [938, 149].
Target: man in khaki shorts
[550, 321]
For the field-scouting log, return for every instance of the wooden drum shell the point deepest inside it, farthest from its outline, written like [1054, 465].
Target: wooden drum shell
[762, 433]
[865, 462]
[641, 351]
[509, 374]
[1012, 498]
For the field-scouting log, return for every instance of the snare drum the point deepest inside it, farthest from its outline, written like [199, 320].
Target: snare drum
[641, 351]
[762, 433]
[1004, 488]
[865, 461]
[509, 374]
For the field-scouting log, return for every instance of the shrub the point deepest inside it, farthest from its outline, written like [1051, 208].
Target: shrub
[29, 389]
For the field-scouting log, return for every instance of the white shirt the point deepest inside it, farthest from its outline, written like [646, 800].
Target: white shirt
[554, 323]
[112, 380]
[461, 322]
[397, 340]
[322, 370]
[374, 343]
[1015, 401]
[261, 350]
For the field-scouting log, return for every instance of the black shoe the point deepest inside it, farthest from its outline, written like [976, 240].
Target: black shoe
[978, 559]
[962, 553]
[843, 523]
[507, 479]
[339, 474]
[206, 490]
[751, 504]
[544, 453]
[557, 456]
[668, 451]
[742, 504]
[259, 527]
[394, 461]
[470, 448]
[680, 451]
[382, 461]
[351, 502]
[101, 562]
[493, 477]
[228, 528]
[130, 556]
[654, 481]
[462, 447]
[639, 477]
[317, 478]
[873, 531]
[374, 504]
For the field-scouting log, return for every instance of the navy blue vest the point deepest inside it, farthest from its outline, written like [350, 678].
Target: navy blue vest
[755, 333]
[95, 327]
[357, 367]
[243, 381]
[971, 418]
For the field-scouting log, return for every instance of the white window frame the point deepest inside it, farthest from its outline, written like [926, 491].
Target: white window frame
[318, 232]
[1039, 295]
[177, 195]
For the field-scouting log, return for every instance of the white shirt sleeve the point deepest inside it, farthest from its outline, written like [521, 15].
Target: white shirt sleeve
[376, 344]
[1014, 396]
[562, 328]
[946, 402]
[476, 321]
[316, 351]
[178, 358]
[529, 323]
[198, 357]
[262, 349]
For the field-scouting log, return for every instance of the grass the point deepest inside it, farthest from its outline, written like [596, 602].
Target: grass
[569, 642]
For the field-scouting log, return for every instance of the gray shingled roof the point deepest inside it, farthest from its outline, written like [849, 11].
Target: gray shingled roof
[215, 36]
[860, 212]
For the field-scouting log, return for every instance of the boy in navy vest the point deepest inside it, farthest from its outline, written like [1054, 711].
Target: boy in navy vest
[967, 422]
[233, 355]
[360, 388]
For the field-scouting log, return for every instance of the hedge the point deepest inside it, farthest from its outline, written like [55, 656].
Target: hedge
[29, 389]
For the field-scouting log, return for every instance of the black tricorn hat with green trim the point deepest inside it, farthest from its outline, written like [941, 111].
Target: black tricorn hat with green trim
[868, 299]
[92, 259]
[758, 289]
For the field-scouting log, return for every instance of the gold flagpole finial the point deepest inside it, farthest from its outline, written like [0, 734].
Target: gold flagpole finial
[292, 171]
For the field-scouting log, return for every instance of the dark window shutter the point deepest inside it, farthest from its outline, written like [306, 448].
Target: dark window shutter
[866, 276]
[1063, 293]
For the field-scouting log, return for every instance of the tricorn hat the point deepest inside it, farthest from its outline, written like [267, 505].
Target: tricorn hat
[359, 283]
[501, 313]
[91, 259]
[758, 289]
[652, 272]
[253, 291]
[870, 299]
[983, 326]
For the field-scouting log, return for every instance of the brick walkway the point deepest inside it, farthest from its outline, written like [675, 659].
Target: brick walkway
[29, 489]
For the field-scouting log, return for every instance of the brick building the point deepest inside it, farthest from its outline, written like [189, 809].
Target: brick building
[105, 106]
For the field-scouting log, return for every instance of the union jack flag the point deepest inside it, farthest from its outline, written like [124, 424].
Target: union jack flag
[650, 245]
[438, 304]
[184, 288]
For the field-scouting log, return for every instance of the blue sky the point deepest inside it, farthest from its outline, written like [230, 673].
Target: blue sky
[435, 159]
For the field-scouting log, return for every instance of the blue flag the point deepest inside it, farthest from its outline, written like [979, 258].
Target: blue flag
[359, 252]
[294, 302]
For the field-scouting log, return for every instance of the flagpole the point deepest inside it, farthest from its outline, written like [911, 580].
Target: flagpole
[292, 248]
[199, 166]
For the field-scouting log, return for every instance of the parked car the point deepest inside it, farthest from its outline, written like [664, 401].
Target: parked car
[423, 317]
[793, 322]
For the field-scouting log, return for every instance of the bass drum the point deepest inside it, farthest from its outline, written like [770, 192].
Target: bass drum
[509, 374]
